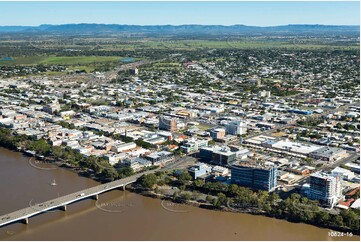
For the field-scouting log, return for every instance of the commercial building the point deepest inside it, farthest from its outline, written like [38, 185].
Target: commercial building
[328, 154]
[218, 155]
[123, 147]
[220, 171]
[325, 188]
[198, 170]
[217, 133]
[167, 123]
[298, 149]
[236, 128]
[261, 177]
[343, 173]
[137, 163]
[160, 158]
[193, 145]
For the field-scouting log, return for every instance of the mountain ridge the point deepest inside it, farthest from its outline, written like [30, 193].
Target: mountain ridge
[180, 29]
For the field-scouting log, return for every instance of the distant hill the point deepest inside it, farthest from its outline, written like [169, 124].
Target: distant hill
[183, 29]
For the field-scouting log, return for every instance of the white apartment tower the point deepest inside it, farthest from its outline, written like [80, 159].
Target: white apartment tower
[325, 187]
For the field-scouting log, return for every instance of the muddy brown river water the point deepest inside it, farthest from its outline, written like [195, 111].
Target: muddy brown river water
[122, 215]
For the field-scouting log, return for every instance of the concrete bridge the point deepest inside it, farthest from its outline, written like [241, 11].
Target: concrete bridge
[61, 202]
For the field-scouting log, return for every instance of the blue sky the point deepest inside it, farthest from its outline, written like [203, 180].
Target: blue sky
[177, 13]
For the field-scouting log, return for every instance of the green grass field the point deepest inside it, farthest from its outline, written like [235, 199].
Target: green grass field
[60, 60]
[219, 44]
[226, 44]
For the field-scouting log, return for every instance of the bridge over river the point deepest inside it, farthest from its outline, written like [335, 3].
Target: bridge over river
[61, 202]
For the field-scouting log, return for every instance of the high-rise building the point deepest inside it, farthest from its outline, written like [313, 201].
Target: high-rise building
[218, 133]
[167, 123]
[262, 177]
[236, 128]
[325, 188]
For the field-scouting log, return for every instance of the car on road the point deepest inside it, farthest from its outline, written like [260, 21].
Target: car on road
[81, 194]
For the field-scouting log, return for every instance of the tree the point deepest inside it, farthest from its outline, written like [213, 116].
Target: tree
[222, 198]
[184, 178]
[148, 180]
[209, 199]
[41, 147]
[233, 189]
[109, 173]
[196, 195]
[216, 203]
[322, 217]
[198, 183]
[125, 172]
[338, 220]
[211, 142]
[351, 218]
[185, 196]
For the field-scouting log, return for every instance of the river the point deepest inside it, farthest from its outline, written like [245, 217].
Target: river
[122, 215]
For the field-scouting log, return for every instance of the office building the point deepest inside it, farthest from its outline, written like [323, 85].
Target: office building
[160, 158]
[218, 155]
[260, 177]
[193, 145]
[218, 133]
[167, 123]
[198, 170]
[236, 128]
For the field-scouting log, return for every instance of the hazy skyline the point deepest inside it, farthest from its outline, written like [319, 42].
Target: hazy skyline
[178, 13]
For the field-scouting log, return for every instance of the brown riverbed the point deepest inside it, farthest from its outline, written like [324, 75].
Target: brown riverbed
[119, 215]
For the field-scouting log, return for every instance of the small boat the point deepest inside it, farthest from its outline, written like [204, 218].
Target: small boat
[53, 183]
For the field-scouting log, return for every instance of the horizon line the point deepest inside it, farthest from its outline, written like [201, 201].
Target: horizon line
[176, 25]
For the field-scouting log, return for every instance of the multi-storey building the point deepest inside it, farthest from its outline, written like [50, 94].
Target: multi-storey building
[262, 177]
[218, 155]
[236, 128]
[193, 145]
[167, 123]
[325, 188]
[218, 133]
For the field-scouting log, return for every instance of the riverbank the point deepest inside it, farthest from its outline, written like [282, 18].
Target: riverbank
[208, 205]
[138, 213]
[136, 188]
[62, 164]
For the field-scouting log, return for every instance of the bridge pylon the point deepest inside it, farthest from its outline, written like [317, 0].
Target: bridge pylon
[63, 208]
[96, 197]
[26, 221]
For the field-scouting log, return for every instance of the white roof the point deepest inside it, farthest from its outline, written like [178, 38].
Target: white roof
[341, 170]
[356, 204]
[296, 147]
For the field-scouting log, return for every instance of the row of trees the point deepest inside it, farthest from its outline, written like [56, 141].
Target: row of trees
[295, 208]
[99, 165]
